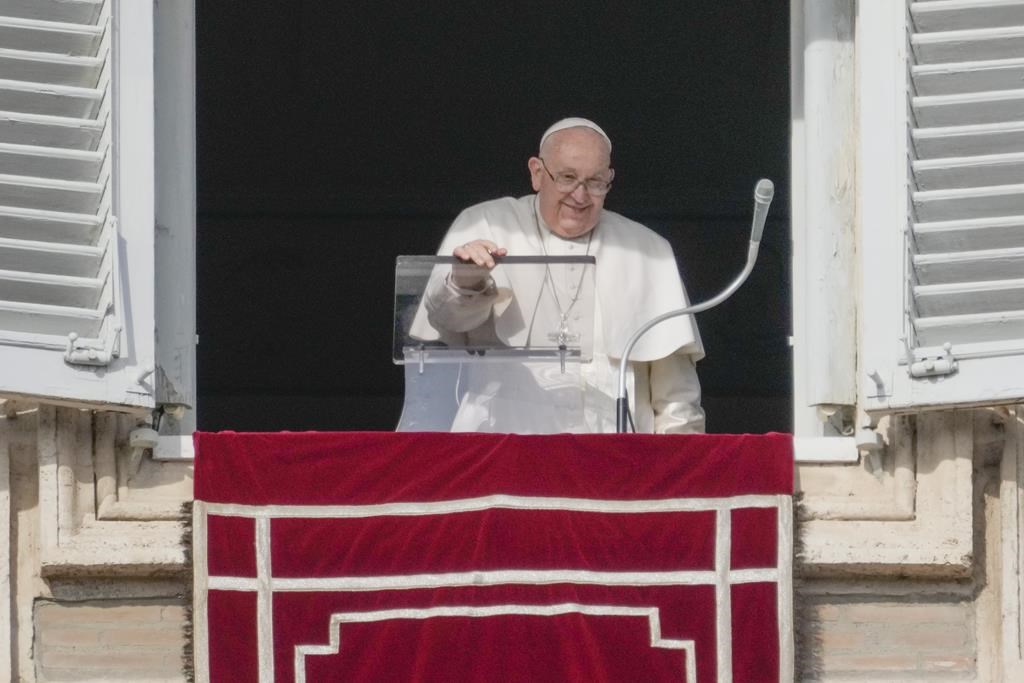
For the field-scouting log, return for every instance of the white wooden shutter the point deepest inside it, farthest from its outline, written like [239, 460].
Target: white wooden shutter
[943, 322]
[76, 200]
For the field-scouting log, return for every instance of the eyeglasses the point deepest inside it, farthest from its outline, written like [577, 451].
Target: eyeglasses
[568, 182]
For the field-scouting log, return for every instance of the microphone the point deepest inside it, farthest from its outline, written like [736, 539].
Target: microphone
[763, 193]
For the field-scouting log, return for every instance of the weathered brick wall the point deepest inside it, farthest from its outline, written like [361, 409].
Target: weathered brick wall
[881, 639]
[110, 640]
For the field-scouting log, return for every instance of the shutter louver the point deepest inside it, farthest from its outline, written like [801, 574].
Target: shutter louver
[966, 240]
[58, 237]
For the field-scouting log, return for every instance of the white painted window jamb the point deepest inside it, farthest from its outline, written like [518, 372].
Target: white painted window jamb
[829, 196]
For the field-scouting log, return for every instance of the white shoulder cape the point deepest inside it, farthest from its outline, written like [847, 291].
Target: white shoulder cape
[636, 278]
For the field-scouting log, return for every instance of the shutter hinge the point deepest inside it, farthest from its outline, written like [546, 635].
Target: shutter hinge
[931, 365]
[93, 352]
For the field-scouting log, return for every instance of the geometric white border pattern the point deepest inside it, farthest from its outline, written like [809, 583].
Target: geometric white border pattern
[722, 577]
[651, 613]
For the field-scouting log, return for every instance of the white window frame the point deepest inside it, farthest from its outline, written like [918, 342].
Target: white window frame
[175, 240]
[175, 209]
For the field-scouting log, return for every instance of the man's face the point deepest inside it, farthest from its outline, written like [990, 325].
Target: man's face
[579, 152]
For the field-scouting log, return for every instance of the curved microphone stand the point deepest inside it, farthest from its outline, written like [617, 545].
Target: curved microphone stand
[763, 193]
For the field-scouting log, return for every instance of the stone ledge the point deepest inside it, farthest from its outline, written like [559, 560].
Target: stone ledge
[119, 549]
[935, 540]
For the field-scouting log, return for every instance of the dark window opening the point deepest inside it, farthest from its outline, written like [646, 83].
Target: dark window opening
[335, 136]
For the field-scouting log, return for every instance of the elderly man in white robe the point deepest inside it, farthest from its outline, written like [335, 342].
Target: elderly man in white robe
[636, 279]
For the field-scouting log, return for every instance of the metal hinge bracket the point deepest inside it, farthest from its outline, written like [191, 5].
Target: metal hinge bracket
[96, 352]
[931, 365]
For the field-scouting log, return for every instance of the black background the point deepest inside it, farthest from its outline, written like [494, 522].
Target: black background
[335, 136]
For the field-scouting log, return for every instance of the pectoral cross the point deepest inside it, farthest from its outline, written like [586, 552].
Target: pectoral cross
[563, 338]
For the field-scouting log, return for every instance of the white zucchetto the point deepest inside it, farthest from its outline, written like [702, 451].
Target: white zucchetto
[575, 122]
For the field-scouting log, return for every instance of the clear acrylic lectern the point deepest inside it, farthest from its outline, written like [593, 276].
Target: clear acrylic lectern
[496, 351]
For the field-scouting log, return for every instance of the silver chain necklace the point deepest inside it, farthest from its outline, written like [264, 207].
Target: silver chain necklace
[564, 335]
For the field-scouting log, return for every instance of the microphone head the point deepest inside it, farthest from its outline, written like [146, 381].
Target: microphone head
[764, 191]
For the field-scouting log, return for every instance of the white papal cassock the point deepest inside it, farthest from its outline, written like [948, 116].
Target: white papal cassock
[636, 279]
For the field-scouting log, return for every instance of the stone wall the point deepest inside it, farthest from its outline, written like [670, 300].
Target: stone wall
[98, 584]
[109, 640]
[860, 616]
[896, 637]
[908, 560]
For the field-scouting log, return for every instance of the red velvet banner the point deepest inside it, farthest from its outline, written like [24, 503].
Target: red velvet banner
[475, 557]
